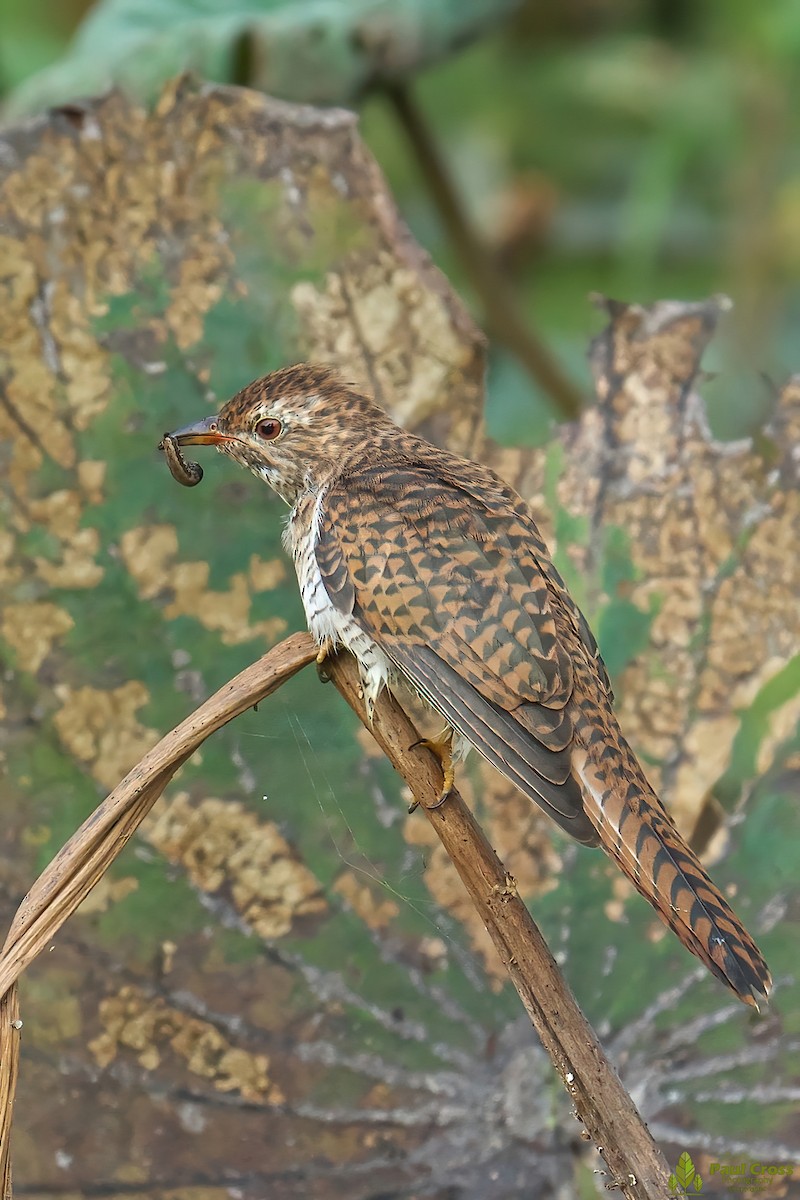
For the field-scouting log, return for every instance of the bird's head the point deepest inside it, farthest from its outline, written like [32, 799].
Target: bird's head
[293, 428]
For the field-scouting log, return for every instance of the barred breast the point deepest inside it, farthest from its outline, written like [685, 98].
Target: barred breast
[325, 622]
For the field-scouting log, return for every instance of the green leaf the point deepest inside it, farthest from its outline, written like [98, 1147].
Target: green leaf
[309, 51]
[685, 1170]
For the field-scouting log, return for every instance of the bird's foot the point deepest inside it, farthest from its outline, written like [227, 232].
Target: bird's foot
[442, 747]
[325, 651]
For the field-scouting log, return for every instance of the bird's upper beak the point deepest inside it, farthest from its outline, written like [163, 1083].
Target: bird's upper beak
[201, 433]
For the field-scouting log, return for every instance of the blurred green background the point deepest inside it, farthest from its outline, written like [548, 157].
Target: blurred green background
[640, 148]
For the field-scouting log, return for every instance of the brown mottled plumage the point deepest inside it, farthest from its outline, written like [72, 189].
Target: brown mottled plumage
[430, 568]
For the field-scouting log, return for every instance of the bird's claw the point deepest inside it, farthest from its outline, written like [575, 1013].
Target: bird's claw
[442, 749]
[324, 652]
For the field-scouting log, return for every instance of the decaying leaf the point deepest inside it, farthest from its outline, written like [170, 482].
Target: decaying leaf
[150, 1028]
[221, 844]
[154, 261]
[682, 547]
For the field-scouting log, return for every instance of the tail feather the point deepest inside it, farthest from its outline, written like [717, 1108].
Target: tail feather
[640, 836]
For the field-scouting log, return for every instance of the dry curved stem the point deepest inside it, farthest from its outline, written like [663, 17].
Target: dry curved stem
[637, 1168]
[78, 866]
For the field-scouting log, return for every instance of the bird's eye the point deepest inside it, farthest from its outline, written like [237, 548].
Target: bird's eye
[268, 429]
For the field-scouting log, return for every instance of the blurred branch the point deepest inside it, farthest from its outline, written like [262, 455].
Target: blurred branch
[601, 1102]
[503, 318]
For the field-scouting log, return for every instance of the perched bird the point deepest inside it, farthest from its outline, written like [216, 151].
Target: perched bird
[430, 569]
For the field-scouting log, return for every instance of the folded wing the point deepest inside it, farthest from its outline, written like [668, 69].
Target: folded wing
[455, 595]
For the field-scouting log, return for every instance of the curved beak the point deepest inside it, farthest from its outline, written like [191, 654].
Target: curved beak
[201, 433]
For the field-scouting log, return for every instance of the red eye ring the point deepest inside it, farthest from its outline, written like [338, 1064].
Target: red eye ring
[269, 429]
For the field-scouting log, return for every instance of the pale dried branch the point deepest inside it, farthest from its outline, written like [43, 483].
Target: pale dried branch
[9, 1069]
[78, 866]
[637, 1168]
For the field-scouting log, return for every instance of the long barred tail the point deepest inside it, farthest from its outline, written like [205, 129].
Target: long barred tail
[639, 835]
